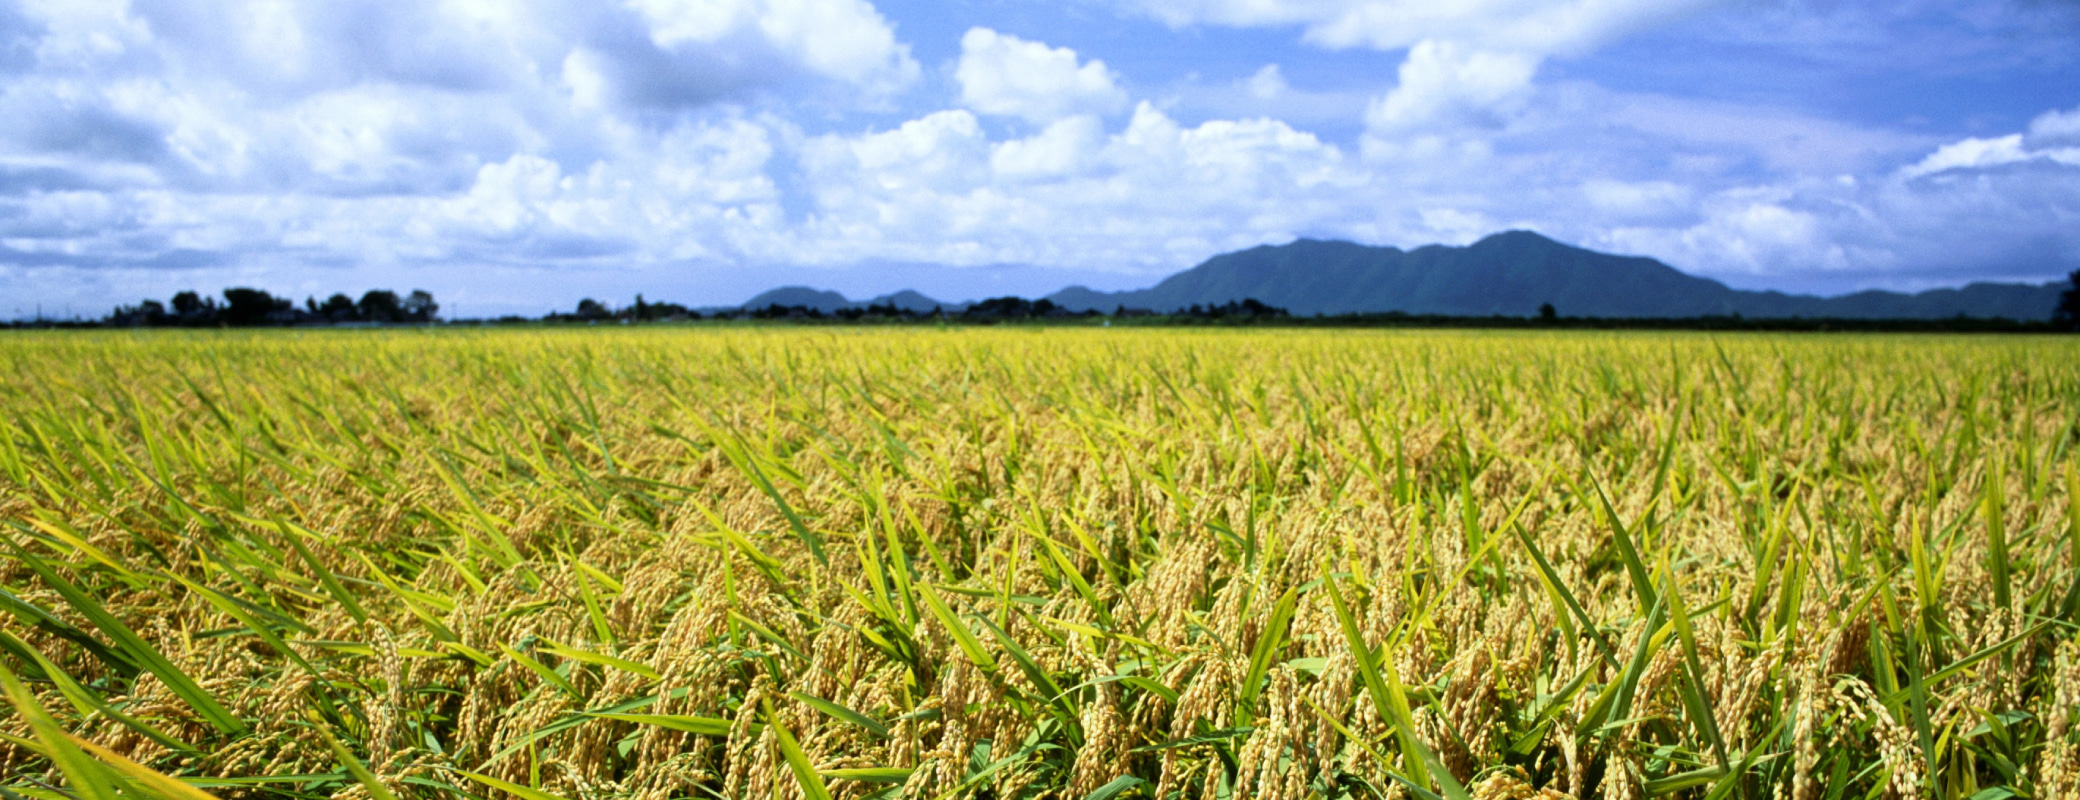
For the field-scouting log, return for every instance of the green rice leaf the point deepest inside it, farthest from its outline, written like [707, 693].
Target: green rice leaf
[139, 651]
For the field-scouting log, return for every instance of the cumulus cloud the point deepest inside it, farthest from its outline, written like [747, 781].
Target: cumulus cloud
[1973, 209]
[229, 94]
[1443, 83]
[2055, 127]
[1469, 65]
[1003, 74]
[1542, 27]
[1144, 196]
[846, 40]
[285, 143]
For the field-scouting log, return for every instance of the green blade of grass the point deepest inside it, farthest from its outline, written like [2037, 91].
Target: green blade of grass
[769, 635]
[1383, 684]
[1651, 638]
[88, 778]
[1573, 605]
[86, 701]
[1051, 693]
[414, 602]
[836, 711]
[1114, 788]
[514, 789]
[266, 634]
[140, 651]
[868, 774]
[970, 646]
[600, 659]
[1684, 780]
[1075, 578]
[600, 627]
[1693, 685]
[538, 668]
[1269, 640]
[354, 767]
[324, 575]
[746, 462]
[683, 723]
[797, 761]
[152, 781]
[575, 719]
[49, 623]
[1642, 586]
[1997, 556]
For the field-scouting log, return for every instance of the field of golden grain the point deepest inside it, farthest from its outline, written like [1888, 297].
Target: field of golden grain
[813, 563]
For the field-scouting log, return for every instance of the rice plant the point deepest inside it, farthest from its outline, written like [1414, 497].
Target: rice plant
[1060, 563]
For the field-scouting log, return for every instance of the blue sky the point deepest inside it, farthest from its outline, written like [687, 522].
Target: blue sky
[517, 155]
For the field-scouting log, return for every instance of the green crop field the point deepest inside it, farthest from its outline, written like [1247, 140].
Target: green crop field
[1062, 563]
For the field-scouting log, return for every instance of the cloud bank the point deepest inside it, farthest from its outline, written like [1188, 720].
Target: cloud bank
[509, 155]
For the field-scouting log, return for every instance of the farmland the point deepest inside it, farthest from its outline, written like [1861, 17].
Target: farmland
[1063, 563]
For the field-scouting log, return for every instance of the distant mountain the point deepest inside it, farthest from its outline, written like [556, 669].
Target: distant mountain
[819, 299]
[1513, 273]
[829, 301]
[911, 301]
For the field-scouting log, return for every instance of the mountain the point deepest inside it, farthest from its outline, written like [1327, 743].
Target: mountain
[821, 300]
[829, 301]
[1513, 273]
[908, 300]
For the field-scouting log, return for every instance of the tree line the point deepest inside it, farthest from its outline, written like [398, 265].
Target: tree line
[249, 308]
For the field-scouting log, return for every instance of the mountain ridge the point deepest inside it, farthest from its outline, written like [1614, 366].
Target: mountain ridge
[1512, 273]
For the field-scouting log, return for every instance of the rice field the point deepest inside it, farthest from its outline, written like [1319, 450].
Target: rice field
[1043, 563]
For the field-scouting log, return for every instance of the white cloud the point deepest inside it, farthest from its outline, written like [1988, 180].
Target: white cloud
[1977, 209]
[1980, 154]
[1267, 84]
[1970, 153]
[2056, 127]
[1003, 74]
[1062, 149]
[1541, 27]
[1469, 66]
[1148, 196]
[847, 40]
[1443, 83]
[1650, 202]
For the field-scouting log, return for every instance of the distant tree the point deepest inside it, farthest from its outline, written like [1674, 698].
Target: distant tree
[185, 303]
[1547, 314]
[338, 308]
[1008, 307]
[380, 305]
[1258, 308]
[194, 309]
[2067, 315]
[419, 306]
[146, 313]
[591, 309]
[247, 307]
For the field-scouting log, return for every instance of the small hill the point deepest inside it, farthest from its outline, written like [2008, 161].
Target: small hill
[828, 301]
[821, 300]
[908, 300]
